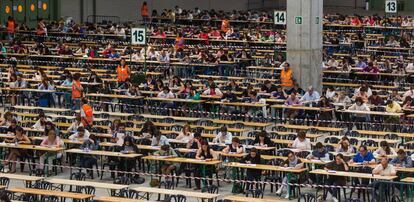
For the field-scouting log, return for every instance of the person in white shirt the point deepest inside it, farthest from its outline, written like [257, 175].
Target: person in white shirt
[76, 124]
[81, 135]
[369, 91]
[385, 149]
[384, 168]
[330, 93]
[212, 90]
[310, 96]
[186, 135]
[409, 93]
[119, 136]
[223, 137]
[119, 31]
[166, 93]
[41, 122]
[301, 142]
[360, 106]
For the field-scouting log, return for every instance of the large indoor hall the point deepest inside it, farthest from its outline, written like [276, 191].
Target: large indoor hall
[207, 100]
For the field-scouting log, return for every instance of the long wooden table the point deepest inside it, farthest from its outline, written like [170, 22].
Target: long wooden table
[78, 196]
[198, 195]
[352, 174]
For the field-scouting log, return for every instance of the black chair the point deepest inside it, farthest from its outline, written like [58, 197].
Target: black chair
[88, 190]
[212, 189]
[353, 200]
[307, 198]
[178, 198]
[4, 181]
[49, 199]
[256, 193]
[42, 185]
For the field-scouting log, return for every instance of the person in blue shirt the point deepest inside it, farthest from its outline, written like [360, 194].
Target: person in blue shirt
[402, 160]
[114, 54]
[310, 96]
[361, 64]
[364, 156]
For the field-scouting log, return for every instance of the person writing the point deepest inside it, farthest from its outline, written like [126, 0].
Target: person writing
[235, 147]
[252, 174]
[207, 154]
[223, 137]
[292, 162]
[19, 138]
[384, 168]
[338, 164]
[301, 142]
[363, 157]
[402, 160]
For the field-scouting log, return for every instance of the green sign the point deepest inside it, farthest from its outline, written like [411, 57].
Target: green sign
[298, 20]
[317, 20]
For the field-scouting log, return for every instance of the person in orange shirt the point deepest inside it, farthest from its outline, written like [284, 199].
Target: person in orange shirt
[286, 76]
[11, 25]
[144, 12]
[86, 114]
[77, 91]
[225, 25]
[123, 72]
[179, 41]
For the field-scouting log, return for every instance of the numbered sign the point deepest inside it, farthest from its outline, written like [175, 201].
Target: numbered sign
[391, 6]
[138, 36]
[279, 17]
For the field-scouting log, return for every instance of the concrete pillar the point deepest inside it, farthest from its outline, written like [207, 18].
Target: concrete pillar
[304, 41]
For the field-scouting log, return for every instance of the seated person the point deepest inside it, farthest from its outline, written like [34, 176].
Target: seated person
[392, 107]
[76, 124]
[213, 91]
[359, 106]
[384, 168]
[402, 160]
[310, 96]
[119, 135]
[41, 122]
[129, 147]
[268, 87]
[252, 174]
[385, 149]
[195, 143]
[375, 99]
[338, 164]
[363, 157]
[262, 139]
[81, 135]
[19, 138]
[279, 93]
[301, 142]
[344, 146]
[223, 137]
[319, 152]
[235, 147]
[186, 135]
[87, 161]
[158, 139]
[13, 126]
[51, 141]
[166, 167]
[292, 100]
[207, 154]
[292, 162]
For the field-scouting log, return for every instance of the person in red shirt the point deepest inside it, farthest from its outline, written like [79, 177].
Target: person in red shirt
[215, 34]
[144, 11]
[204, 35]
[11, 26]
[355, 21]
